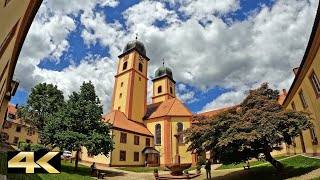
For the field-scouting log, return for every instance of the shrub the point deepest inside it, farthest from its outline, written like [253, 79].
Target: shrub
[155, 170]
[38, 147]
[198, 167]
[200, 160]
[23, 146]
[185, 172]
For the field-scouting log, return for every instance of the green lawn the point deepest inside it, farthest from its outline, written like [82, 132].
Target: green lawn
[67, 173]
[148, 169]
[295, 166]
[252, 163]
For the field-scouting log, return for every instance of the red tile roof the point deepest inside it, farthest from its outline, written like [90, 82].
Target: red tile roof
[119, 120]
[171, 107]
[214, 112]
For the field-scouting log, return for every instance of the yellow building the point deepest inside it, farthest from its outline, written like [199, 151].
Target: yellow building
[144, 134]
[13, 130]
[304, 94]
[15, 19]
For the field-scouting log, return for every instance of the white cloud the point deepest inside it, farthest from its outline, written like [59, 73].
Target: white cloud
[225, 100]
[203, 8]
[238, 55]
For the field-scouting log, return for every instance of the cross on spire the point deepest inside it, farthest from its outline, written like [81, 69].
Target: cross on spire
[163, 62]
[137, 36]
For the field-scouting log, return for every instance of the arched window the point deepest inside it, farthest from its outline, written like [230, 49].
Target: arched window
[158, 134]
[140, 67]
[160, 89]
[125, 64]
[180, 129]
[171, 92]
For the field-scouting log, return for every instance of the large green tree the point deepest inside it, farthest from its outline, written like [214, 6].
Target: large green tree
[44, 100]
[79, 124]
[258, 125]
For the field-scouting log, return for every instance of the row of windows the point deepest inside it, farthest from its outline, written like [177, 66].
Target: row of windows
[8, 125]
[316, 86]
[123, 139]
[158, 133]
[5, 137]
[123, 156]
[160, 90]
[125, 65]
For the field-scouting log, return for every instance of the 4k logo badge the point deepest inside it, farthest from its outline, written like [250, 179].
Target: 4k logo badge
[34, 162]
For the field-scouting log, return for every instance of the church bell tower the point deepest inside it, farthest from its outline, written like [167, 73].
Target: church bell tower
[163, 85]
[130, 87]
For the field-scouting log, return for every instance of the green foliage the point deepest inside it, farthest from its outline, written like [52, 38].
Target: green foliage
[3, 163]
[23, 146]
[44, 100]
[201, 160]
[199, 167]
[258, 125]
[79, 123]
[155, 170]
[186, 172]
[38, 147]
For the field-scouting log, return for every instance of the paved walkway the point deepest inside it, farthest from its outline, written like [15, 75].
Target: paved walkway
[234, 173]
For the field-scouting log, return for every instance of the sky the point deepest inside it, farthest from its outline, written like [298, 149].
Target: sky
[217, 49]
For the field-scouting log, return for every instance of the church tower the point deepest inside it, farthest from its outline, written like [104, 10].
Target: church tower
[130, 87]
[163, 85]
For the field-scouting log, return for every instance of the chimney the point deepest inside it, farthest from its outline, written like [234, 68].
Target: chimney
[295, 70]
[284, 92]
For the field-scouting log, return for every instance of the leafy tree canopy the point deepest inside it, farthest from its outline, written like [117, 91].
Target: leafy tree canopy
[79, 123]
[44, 100]
[258, 125]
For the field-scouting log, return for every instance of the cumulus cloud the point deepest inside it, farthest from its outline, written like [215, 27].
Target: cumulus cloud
[225, 100]
[202, 49]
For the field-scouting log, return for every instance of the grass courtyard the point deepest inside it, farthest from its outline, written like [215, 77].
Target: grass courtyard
[83, 173]
[252, 163]
[295, 166]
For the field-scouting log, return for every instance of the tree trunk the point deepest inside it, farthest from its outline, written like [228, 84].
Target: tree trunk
[76, 161]
[274, 162]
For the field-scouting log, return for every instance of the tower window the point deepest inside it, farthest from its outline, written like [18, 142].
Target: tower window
[180, 129]
[139, 78]
[121, 84]
[140, 67]
[171, 92]
[125, 64]
[119, 108]
[158, 134]
[120, 95]
[160, 89]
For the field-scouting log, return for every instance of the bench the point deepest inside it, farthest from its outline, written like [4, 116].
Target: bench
[98, 173]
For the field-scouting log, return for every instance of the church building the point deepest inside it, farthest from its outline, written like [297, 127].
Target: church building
[144, 133]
